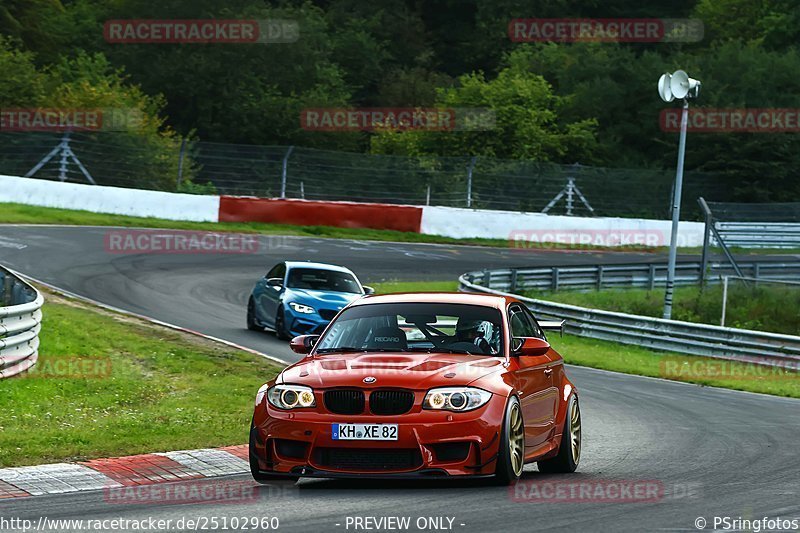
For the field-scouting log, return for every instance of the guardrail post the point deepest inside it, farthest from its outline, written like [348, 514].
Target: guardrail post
[599, 277]
[554, 279]
[487, 279]
[513, 286]
[756, 272]
[651, 282]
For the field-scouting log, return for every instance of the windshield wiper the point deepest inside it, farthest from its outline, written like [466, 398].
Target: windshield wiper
[440, 350]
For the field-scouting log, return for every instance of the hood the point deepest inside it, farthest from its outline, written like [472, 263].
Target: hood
[333, 299]
[419, 371]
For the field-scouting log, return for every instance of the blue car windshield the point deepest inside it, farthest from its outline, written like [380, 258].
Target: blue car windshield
[322, 280]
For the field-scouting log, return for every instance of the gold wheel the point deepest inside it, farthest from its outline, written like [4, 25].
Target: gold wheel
[516, 440]
[575, 432]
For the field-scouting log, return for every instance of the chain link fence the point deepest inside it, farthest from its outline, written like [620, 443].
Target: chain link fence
[272, 171]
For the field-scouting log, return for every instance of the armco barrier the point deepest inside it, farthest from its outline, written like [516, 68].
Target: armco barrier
[20, 322]
[659, 334]
[645, 275]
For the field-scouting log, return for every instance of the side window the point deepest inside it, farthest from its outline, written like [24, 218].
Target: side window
[278, 271]
[536, 329]
[520, 325]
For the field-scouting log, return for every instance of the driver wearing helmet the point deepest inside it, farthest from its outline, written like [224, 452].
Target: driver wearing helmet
[475, 332]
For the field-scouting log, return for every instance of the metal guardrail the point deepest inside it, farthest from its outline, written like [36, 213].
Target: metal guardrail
[20, 322]
[771, 349]
[759, 234]
[645, 275]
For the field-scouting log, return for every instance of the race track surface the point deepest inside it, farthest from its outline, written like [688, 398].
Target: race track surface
[708, 452]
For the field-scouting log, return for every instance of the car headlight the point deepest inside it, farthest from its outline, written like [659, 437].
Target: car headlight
[291, 396]
[300, 308]
[455, 398]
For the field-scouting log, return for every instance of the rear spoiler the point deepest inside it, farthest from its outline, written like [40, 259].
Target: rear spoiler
[552, 325]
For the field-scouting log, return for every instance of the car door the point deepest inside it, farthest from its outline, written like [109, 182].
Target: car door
[270, 295]
[537, 394]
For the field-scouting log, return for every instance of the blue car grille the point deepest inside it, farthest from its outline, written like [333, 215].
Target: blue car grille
[328, 314]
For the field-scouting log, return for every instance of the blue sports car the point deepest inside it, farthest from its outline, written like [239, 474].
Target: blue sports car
[299, 298]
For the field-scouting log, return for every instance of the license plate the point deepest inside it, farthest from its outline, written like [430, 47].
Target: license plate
[364, 432]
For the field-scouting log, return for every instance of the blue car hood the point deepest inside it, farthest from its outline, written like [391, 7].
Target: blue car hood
[311, 297]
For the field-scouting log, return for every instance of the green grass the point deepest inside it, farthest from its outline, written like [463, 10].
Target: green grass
[768, 307]
[165, 391]
[690, 369]
[389, 287]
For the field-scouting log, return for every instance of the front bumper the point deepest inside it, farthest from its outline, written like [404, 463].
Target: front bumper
[304, 324]
[429, 444]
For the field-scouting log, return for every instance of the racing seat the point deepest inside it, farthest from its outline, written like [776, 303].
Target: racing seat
[388, 338]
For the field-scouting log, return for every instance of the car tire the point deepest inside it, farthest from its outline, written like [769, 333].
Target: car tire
[280, 326]
[251, 316]
[569, 451]
[511, 456]
[254, 470]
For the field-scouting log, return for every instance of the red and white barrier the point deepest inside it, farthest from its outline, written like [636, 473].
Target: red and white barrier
[521, 229]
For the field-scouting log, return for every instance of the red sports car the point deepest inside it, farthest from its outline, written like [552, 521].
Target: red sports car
[420, 385]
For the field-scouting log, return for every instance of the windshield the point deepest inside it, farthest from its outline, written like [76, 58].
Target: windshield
[323, 280]
[412, 327]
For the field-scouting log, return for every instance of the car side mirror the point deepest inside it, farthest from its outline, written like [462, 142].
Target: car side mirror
[276, 283]
[303, 343]
[368, 289]
[529, 346]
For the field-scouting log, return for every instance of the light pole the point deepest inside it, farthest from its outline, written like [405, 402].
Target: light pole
[671, 86]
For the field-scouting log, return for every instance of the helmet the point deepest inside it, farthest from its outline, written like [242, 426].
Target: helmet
[466, 326]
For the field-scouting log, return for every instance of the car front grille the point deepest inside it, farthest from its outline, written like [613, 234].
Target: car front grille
[365, 459]
[391, 402]
[328, 314]
[344, 401]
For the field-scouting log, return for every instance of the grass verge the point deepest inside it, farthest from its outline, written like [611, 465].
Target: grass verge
[108, 385]
[766, 307]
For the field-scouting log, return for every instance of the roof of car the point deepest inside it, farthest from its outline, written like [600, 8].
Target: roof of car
[318, 266]
[487, 300]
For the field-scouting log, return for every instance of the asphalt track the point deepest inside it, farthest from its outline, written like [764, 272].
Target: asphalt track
[709, 452]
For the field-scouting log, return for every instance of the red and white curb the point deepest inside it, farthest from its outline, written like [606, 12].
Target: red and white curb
[136, 470]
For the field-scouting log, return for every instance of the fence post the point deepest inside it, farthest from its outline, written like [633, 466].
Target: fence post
[181, 155]
[652, 279]
[513, 287]
[706, 238]
[554, 281]
[470, 168]
[283, 171]
[599, 277]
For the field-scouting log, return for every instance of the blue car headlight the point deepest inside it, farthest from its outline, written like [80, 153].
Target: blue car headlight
[302, 309]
